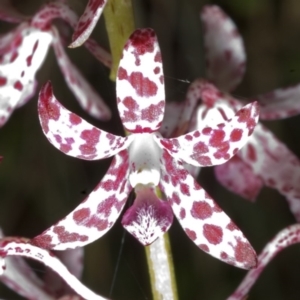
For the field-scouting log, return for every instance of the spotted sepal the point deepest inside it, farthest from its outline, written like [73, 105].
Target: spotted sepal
[95, 215]
[19, 277]
[140, 83]
[285, 238]
[238, 177]
[20, 60]
[202, 219]
[214, 145]
[87, 22]
[87, 97]
[43, 18]
[275, 164]
[12, 246]
[73, 260]
[224, 48]
[71, 134]
[279, 104]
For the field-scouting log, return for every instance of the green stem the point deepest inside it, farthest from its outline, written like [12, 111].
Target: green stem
[119, 22]
[161, 269]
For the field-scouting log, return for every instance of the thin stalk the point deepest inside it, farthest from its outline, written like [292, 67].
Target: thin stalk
[161, 269]
[119, 22]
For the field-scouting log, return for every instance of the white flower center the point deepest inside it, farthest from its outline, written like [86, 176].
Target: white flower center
[144, 156]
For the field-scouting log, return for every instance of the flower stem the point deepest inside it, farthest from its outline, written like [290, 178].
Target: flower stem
[161, 269]
[119, 22]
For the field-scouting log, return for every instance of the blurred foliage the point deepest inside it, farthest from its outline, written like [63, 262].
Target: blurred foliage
[39, 185]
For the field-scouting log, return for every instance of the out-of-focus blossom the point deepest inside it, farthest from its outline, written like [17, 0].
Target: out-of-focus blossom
[264, 160]
[285, 238]
[22, 52]
[87, 22]
[143, 161]
[61, 277]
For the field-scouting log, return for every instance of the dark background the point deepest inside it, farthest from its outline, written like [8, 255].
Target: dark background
[39, 185]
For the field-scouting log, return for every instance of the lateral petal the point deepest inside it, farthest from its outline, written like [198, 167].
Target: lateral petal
[71, 134]
[224, 48]
[12, 246]
[95, 215]
[279, 104]
[140, 83]
[202, 219]
[238, 177]
[216, 144]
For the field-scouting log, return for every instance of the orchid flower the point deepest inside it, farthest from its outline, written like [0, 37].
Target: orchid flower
[285, 238]
[23, 51]
[144, 161]
[87, 22]
[264, 160]
[63, 285]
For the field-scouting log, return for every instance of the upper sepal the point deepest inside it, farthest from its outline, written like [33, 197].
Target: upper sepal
[140, 83]
[224, 48]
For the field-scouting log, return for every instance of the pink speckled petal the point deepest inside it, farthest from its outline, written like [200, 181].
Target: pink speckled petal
[19, 63]
[60, 10]
[214, 145]
[51, 11]
[285, 238]
[87, 22]
[140, 83]
[225, 53]
[87, 97]
[280, 104]
[95, 215]
[201, 97]
[71, 134]
[73, 260]
[19, 277]
[202, 219]
[275, 164]
[149, 217]
[12, 246]
[238, 177]
[9, 14]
